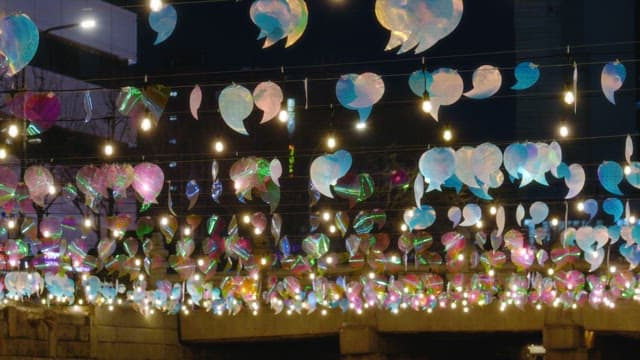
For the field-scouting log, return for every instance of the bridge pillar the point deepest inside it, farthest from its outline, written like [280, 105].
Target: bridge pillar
[361, 342]
[563, 336]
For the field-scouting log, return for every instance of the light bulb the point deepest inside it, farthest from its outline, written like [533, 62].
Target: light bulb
[187, 231]
[554, 222]
[361, 126]
[447, 135]
[52, 190]
[493, 210]
[332, 229]
[164, 221]
[246, 219]
[580, 206]
[257, 231]
[632, 219]
[200, 262]
[108, 149]
[460, 257]
[569, 97]
[3, 153]
[427, 106]
[331, 142]
[563, 130]
[87, 222]
[326, 216]
[329, 260]
[283, 116]
[627, 169]
[155, 5]
[218, 146]
[89, 23]
[13, 130]
[263, 261]
[479, 224]
[403, 227]
[11, 224]
[145, 124]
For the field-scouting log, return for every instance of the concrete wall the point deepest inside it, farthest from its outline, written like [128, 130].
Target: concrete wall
[38, 333]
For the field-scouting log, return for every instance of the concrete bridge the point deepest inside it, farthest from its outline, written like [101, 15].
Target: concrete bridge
[97, 333]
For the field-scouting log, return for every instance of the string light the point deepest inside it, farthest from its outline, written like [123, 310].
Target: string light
[246, 219]
[52, 190]
[283, 116]
[361, 126]
[164, 221]
[580, 206]
[554, 222]
[563, 130]
[447, 134]
[632, 219]
[326, 216]
[108, 149]
[87, 222]
[331, 142]
[155, 5]
[11, 224]
[569, 97]
[427, 107]
[627, 169]
[403, 227]
[218, 146]
[145, 124]
[3, 153]
[493, 210]
[13, 131]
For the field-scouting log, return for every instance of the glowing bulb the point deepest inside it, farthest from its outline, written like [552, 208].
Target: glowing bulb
[372, 275]
[493, 210]
[13, 130]
[141, 277]
[403, 227]
[164, 221]
[87, 222]
[361, 126]
[627, 170]
[263, 261]
[329, 260]
[257, 231]
[612, 269]
[632, 219]
[145, 124]
[550, 271]
[312, 276]
[447, 135]
[326, 216]
[200, 262]
[196, 277]
[88, 23]
[52, 190]
[283, 116]
[580, 206]
[108, 149]
[331, 142]
[569, 97]
[187, 231]
[563, 130]
[246, 219]
[218, 146]
[427, 106]
[492, 273]
[11, 224]
[332, 229]
[3, 153]
[460, 257]
[46, 233]
[479, 224]
[155, 5]
[323, 312]
[138, 262]
[554, 222]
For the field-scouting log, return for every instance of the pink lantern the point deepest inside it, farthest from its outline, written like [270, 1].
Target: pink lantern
[39, 181]
[148, 181]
